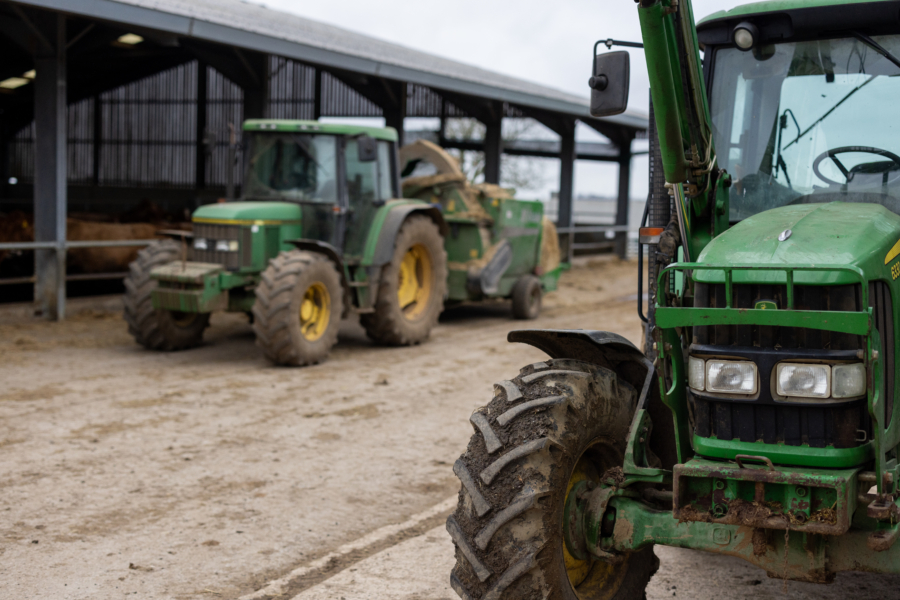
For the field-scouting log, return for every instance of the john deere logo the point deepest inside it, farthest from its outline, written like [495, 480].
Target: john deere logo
[766, 305]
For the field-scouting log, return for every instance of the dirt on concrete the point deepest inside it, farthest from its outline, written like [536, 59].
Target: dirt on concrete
[209, 472]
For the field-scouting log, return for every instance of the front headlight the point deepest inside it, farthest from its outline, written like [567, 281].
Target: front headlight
[697, 373]
[200, 244]
[226, 246]
[803, 381]
[731, 377]
[848, 381]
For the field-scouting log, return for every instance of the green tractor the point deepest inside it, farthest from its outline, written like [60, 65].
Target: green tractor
[321, 233]
[760, 421]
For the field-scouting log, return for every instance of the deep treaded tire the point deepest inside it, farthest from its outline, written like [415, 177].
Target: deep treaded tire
[397, 325]
[526, 298]
[291, 280]
[158, 329]
[558, 422]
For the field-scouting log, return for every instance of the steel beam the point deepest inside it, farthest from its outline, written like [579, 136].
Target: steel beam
[201, 132]
[493, 147]
[256, 97]
[622, 201]
[50, 200]
[395, 113]
[566, 186]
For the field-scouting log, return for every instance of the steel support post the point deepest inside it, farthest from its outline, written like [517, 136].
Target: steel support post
[98, 139]
[201, 132]
[566, 184]
[493, 147]
[4, 160]
[395, 116]
[50, 171]
[256, 96]
[623, 197]
[317, 96]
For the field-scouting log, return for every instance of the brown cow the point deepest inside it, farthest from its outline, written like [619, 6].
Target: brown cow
[18, 226]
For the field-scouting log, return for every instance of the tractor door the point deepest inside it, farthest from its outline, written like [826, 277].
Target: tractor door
[370, 182]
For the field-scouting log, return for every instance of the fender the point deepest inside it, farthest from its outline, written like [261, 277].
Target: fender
[614, 352]
[386, 225]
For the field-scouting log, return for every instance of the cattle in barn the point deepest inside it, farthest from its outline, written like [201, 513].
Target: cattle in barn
[105, 260]
[18, 226]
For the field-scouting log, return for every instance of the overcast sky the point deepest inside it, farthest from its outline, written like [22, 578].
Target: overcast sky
[545, 42]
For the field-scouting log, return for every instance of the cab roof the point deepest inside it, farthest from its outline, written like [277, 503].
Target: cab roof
[388, 134]
[795, 20]
[769, 6]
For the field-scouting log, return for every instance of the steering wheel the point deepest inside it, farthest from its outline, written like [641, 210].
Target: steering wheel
[861, 168]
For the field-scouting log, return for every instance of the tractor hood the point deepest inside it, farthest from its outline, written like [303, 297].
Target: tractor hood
[248, 213]
[839, 233]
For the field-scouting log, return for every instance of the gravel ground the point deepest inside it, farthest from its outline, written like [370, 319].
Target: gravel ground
[209, 473]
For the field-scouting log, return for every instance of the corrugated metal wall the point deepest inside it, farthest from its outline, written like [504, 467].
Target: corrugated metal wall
[148, 129]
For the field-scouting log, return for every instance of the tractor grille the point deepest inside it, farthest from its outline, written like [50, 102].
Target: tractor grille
[212, 234]
[837, 297]
[841, 426]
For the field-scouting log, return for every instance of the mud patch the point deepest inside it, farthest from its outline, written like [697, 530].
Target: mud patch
[46, 392]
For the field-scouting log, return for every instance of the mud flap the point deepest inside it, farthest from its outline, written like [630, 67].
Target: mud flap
[614, 352]
[487, 281]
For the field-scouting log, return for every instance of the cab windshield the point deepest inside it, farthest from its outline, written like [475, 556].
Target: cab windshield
[808, 122]
[292, 166]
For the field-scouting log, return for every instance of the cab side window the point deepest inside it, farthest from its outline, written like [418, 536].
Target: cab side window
[368, 181]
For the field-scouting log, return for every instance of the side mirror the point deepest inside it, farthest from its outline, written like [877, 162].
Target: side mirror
[367, 148]
[609, 83]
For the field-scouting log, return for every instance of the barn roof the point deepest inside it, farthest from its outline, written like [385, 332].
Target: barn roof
[256, 27]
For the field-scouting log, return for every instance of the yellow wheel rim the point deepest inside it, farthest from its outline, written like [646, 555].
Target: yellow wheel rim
[414, 289]
[315, 311]
[590, 578]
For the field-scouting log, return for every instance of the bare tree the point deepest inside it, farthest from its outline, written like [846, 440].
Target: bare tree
[517, 172]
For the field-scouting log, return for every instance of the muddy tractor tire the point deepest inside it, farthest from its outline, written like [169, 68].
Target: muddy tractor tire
[411, 292]
[297, 311]
[526, 298]
[555, 424]
[152, 328]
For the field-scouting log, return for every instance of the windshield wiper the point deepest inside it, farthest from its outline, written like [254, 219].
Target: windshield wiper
[832, 109]
[876, 47]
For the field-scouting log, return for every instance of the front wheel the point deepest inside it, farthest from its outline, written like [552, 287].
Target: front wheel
[297, 311]
[153, 328]
[555, 424]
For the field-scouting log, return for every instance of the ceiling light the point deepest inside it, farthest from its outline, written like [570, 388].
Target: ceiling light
[131, 39]
[13, 83]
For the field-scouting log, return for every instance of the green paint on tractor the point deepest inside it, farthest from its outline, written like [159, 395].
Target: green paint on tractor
[765, 420]
[323, 208]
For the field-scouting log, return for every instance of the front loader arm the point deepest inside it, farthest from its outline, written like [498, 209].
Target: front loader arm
[683, 119]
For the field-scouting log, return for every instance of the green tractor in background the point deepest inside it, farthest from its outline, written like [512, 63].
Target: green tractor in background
[321, 232]
[761, 421]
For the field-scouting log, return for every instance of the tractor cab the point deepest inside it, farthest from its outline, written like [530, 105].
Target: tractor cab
[337, 176]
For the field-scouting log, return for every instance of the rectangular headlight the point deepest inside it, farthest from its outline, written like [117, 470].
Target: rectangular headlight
[803, 381]
[199, 244]
[731, 376]
[697, 373]
[226, 246]
[848, 381]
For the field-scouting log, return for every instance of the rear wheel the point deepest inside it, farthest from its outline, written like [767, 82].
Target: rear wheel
[412, 287]
[152, 328]
[526, 298]
[297, 311]
[559, 422]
